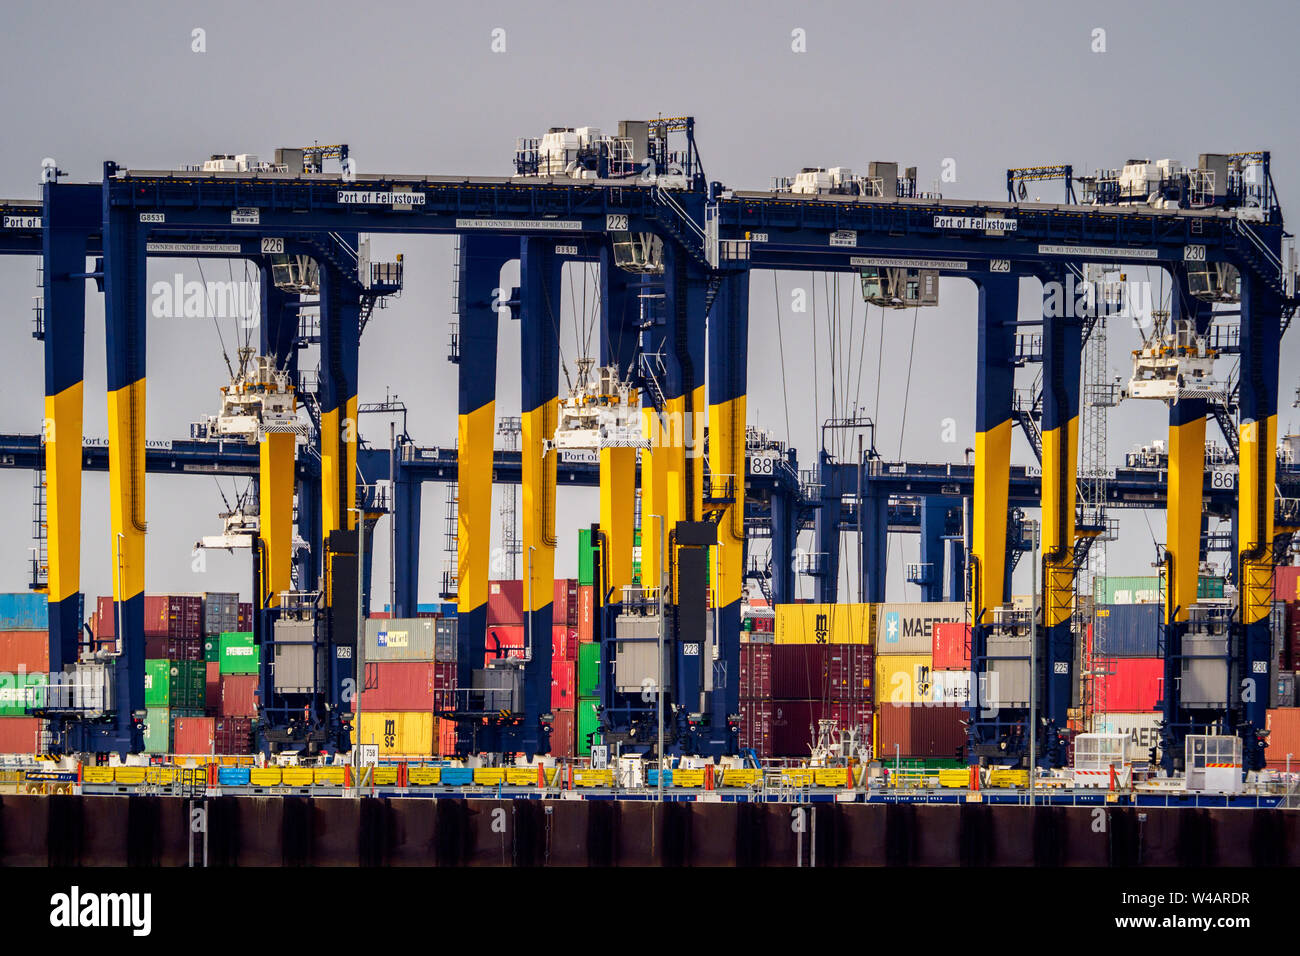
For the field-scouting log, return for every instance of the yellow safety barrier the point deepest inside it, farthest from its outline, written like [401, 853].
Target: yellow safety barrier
[327, 776]
[264, 776]
[489, 776]
[297, 776]
[524, 776]
[688, 778]
[160, 776]
[592, 778]
[423, 776]
[131, 776]
[97, 775]
[1006, 777]
[831, 776]
[384, 776]
[741, 778]
[797, 777]
[957, 778]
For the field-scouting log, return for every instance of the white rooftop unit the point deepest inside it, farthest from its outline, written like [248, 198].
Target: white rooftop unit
[1213, 763]
[1100, 759]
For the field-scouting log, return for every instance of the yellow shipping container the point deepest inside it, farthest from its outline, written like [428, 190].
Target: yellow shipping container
[902, 679]
[825, 623]
[398, 733]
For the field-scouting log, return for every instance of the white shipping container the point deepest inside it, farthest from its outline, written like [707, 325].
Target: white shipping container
[1142, 730]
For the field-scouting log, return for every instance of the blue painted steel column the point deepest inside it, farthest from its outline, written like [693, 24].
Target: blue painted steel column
[406, 514]
[826, 530]
[875, 540]
[934, 515]
[340, 316]
[783, 544]
[71, 214]
[954, 588]
[619, 332]
[539, 349]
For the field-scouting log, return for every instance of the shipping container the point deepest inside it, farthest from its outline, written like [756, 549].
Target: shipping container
[24, 652]
[588, 727]
[1141, 727]
[173, 648]
[564, 642]
[445, 639]
[586, 613]
[1286, 582]
[756, 726]
[825, 623]
[444, 685]
[588, 669]
[563, 731]
[903, 679]
[850, 672]
[21, 735]
[909, 628]
[157, 730]
[212, 649]
[401, 639]
[1283, 694]
[193, 735]
[1146, 589]
[446, 730]
[1283, 724]
[951, 646]
[586, 558]
[245, 622]
[157, 683]
[238, 695]
[397, 733]
[563, 685]
[239, 655]
[1130, 684]
[950, 687]
[921, 730]
[1126, 630]
[187, 687]
[233, 735]
[505, 602]
[504, 640]
[564, 606]
[400, 685]
[794, 727]
[220, 612]
[22, 693]
[756, 670]
[212, 687]
[25, 611]
[799, 671]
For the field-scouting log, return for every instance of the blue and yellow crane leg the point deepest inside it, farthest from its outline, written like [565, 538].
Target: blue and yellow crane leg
[619, 316]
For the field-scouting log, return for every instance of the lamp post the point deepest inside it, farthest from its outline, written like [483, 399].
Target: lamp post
[659, 680]
[358, 657]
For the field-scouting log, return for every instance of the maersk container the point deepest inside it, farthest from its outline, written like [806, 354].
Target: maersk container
[1142, 728]
[909, 628]
[401, 639]
[1126, 630]
[157, 730]
[25, 611]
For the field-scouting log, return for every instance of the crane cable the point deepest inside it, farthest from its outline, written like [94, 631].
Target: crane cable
[215, 324]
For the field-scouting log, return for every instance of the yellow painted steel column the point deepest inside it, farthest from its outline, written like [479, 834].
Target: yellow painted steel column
[275, 524]
[538, 425]
[617, 511]
[474, 505]
[126, 480]
[727, 457]
[1058, 504]
[989, 534]
[63, 437]
[1183, 515]
[1255, 495]
[654, 493]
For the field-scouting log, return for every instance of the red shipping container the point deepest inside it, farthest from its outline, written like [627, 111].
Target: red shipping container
[952, 646]
[505, 602]
[756, 726]
[504, 640]
[444, 685]
[193, 735]
[794, 726]
[764, 625]
[245, 616]
[563, 688]
[799, 671]
[1286, 583]
[564, 606]
[756, 670]
[586, 613]
[1133, 684]
[379, 616]
[212, 688]
[563, 733]
[850, 671]
[1283, 724]
[20, 735]
[239, 696]
[564, 643]
[24, 651]
[233, 735]
[852, 713]
[400, 685]
[922, 730]
[446, 737]
[165, 615]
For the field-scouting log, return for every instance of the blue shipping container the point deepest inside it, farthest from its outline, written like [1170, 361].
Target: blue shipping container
[1127, 630]
[24, 611]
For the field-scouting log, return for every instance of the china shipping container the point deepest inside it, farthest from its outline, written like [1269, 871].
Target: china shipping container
[193, 735]
[239, 695]
[756, 725]
[564, 607]
[909, 628]
[25, 611]
[399, 685]
[1283, 724]
[756, 670]
[562, 732]
[1126, 630]
[21, 735]
[951, 647]
[397, 733]
[825, 623]
[563, 685]
[586, 613]
[505, 602]
[27, 651]
[1132, 684]
[921, 730]
[233, 735]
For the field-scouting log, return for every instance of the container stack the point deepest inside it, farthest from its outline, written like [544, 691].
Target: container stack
[1127, 691]
[24, 670]
[587, 721]
[564, 667]
[1283, 720]
[756, 698]
[405, 682]
[922, 703]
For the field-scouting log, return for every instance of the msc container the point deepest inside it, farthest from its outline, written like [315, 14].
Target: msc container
[756, 726]
[157, 683]
[21, 735]
[825, 623]
[444, 639]
[951, 646]
[193, 735]
[586, 613]
[1283, 724]
[756, 670]
[233, 735]
[564, 606]
[401, 639]
[239, 695]
[239, 655]
[505, 602]
[563, 685]
[562, 732]
[799, 671]
[902, 679]
[220, 612]
[1142, 728]
[399, 685]
[21, 693]
[1126, 630]
[25, 611]
[922, 730]
[588, 727]
[909, 628]
[24, 651]
[588, 669]
[397, 733]
[1133, 684]
[157, 730]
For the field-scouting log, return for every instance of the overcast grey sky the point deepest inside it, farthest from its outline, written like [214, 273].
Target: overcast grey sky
[414, 89]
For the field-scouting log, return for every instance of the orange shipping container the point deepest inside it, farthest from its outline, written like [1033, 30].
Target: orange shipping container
[1283, 725]
[446, 737]
[20, 735]
[193, 735]
[562, 733]
[24, 651]
[586, 613]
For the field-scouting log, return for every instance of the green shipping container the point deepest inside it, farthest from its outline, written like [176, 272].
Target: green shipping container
[188, 691]
[1146, 589]
[19, 695]
[238, 653]
[157, 730]
[586, 558]
[157, 683]
[588, 724]
[588, 669]
[212, 650]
